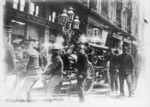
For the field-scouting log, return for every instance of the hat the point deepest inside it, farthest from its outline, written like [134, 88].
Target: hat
[55, 49]
[26, 42]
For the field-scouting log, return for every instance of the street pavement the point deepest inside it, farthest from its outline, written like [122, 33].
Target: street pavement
[99, 95]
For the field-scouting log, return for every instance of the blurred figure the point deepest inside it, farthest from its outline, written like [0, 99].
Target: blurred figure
[9, 61]
[55, 69]
[138, 66]
[21, 63]
[89, 51]
[35, 44]
[82, 64]
[113, 70]
[76, 35]
[126, 70]
[32, 72]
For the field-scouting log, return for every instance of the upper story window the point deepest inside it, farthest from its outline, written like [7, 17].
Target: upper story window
[34, 9]
[104, 7]
[53, 16]
[22, 5]
[98, 6]
[50, 18]
[15, 4]
[19, 4]
[37, 11]
[118, 12]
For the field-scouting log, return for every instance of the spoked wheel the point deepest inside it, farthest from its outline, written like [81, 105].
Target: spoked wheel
[89, 81]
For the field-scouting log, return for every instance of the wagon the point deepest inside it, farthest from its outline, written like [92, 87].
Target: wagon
[95, 71]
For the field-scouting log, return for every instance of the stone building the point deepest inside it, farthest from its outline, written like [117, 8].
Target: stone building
[112, 20]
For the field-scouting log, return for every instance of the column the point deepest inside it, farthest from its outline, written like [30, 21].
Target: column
[46, 33]
[87, 28]
[27, 28]
[7, 32]
[45, 39]
[47, 9]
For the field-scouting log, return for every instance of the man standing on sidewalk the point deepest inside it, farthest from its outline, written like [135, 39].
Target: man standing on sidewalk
[82, 64]
[113, 71]
[126, 70]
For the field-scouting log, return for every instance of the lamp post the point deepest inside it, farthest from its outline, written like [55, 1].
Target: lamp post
[68, 21]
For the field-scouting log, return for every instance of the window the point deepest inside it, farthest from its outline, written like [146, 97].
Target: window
[53, 16]
[99, 6]
[22, 5]
[37, 11]
[50, 18]
[34, 9]
[104, 7]
[15, 4]
[19, 4]
[118, 12]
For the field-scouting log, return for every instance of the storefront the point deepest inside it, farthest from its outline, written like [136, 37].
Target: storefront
[96, 31]
[24, 25]
[127, 43]
[18, 31]
[117, 40]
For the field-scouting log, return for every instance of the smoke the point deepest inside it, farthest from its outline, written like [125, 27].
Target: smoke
[95, 39]
[47, 45]
[82, 39]
[59, 43]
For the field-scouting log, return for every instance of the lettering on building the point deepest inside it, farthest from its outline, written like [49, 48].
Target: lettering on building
[117, 36]
[29, 17]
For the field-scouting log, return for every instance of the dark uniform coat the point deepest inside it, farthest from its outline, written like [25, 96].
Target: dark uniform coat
[55, 67]
[82, 64]
[126, 64]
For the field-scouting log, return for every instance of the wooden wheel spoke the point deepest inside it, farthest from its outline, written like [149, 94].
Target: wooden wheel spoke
[90, 78]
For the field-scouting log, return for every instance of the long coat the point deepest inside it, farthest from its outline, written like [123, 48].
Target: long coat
[82, 64]
[55, 67]
[126, 64]
[113, 63]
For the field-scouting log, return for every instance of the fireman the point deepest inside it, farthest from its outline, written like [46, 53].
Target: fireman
[82, 64]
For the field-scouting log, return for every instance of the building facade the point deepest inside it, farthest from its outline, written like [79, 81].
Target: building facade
[112, 20]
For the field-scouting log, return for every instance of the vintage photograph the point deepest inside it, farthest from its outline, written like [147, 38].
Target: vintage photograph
[76, 51]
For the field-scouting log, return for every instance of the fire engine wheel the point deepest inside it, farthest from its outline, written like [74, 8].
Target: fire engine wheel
[89, 81]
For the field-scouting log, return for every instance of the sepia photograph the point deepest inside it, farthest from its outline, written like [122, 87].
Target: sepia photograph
[75, 53]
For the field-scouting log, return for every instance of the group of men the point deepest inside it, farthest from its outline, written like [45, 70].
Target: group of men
[119, 64]
[26, 62]
[122, 66]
